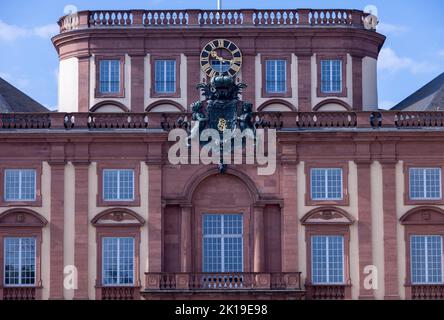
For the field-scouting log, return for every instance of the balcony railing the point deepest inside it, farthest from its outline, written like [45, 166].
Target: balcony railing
[426, 292]
[18, 293]
[119, 293]
[275, 120]
[213, 18]
[243, 281]
[328, 292]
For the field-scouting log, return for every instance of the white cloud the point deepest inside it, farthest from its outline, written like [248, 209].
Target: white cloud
[10, 32]
[391, 29]
[390, 61]
[47, 31]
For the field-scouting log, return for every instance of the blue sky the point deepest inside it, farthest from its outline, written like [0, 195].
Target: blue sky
[412, 55]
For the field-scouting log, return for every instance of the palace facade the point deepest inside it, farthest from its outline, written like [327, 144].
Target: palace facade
[91, 207]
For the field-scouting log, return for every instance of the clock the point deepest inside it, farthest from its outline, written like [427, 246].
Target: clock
[221, 57]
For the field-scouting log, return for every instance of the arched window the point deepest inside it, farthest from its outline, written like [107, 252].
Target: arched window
[327, 236]
[118, 254]
[20, 254]
[424, 233]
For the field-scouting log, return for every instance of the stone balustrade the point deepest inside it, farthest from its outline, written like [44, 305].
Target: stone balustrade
[213, 18]
[275, 120]
[242, 281]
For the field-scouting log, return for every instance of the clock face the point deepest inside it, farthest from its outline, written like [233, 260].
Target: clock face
[221, 57]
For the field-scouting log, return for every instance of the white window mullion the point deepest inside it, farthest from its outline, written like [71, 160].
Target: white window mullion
[331, 75]
[118, 261]
[276, 75]
[426, 262]
[109, 76]
[20, 185]
[326, 184]
[164, 76]
[327, 253]
[425, 185]
[222, 243]
[118, 185]
[20, 262]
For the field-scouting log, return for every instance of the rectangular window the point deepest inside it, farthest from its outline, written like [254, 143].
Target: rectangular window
[326, 183]
[118, 261]
[276, 76]
[165, 76]
[19, 260]
[110, 76]
[327, 259]
[222, 243]
[426, 259]
[331, 76]
[118, 184]
[20, 185]
[425, 183]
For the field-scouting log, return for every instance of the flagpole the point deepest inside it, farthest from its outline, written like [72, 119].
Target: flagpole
[219, 4]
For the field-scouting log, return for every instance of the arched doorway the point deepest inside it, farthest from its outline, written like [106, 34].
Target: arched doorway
[221, 228]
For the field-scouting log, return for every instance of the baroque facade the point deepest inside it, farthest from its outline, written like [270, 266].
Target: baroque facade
[91, 207]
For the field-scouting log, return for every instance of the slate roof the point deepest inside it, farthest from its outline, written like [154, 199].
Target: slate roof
[428, 98]
[14, 100]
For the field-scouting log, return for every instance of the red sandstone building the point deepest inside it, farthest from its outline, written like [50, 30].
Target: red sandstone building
[89, 190]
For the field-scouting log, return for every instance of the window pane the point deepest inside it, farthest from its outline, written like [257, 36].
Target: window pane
[426, 259]
[326, 183]
[425, 183]
[327, 259]
[331, 76]
[118, 184]
[20, 184]
[222, 243]
[19, 261]
[118, 261]
[109, 76]
[275, 76]
[126, 180]
[165, 76]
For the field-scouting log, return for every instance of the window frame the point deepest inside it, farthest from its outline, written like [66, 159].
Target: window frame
[121, 92]
[101, 167]
[328, 227]
[119, 193]
[288, 85]
[343, 259]
[37, 202]
[20, 185]
[118, 255]
[326, 184]
[22, 223]
[20, 259]
[177, 91]
[420, 220]
[326, 165]
[222, 236]
[164, 83]
[343, 59]
[426, 269]
[406, 176]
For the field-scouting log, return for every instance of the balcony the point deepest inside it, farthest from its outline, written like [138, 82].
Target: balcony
[223, 285]
[213, 18]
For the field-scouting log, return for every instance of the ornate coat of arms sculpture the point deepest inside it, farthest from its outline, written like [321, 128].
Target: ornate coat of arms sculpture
[222, 110]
